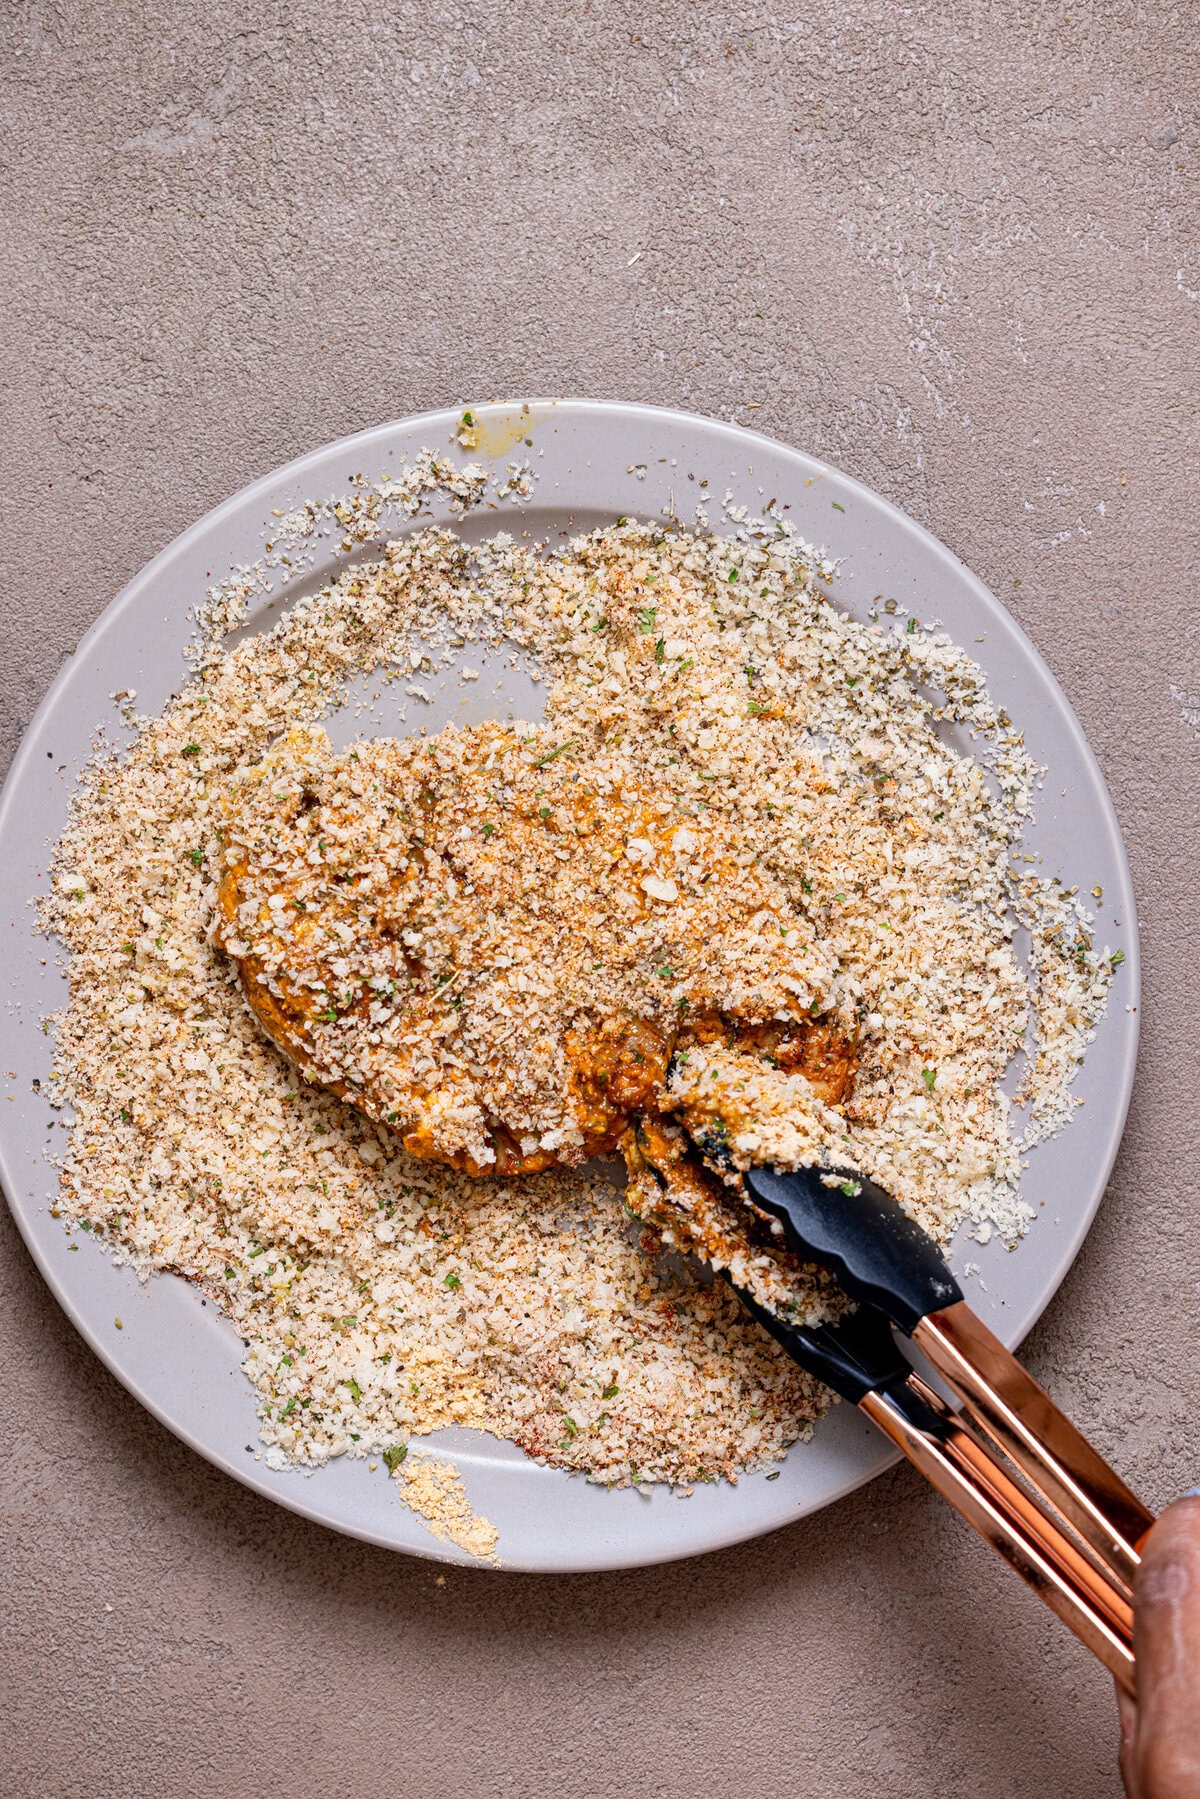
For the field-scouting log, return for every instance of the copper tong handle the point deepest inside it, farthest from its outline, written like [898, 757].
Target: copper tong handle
[1018, 1415]
[988, 1499]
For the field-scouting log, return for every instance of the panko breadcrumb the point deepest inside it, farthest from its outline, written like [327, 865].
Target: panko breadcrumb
[727, 702]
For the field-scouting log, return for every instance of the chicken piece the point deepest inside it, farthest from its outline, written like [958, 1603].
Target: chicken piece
[694, 1211]
[822, 1049]
[491, 943]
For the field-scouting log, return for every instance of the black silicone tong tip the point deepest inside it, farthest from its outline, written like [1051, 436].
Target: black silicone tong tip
[856, 1356]
[874, 1250]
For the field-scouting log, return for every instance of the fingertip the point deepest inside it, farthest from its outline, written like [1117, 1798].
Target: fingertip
[1127, 1710]
[1127, 1744]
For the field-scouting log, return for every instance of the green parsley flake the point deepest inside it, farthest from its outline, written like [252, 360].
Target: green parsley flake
[553, 755]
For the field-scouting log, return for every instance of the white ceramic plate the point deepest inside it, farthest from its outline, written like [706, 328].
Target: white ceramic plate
[180, 1359]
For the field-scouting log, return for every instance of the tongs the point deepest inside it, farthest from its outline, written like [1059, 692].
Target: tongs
[1010, 1462]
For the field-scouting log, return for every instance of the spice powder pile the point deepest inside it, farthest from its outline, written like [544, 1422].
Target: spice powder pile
[713, 724]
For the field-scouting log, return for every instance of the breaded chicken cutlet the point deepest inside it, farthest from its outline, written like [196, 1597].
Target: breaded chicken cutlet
[492, 945]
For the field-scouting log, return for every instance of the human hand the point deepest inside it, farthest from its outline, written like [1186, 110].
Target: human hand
[1160, 1731]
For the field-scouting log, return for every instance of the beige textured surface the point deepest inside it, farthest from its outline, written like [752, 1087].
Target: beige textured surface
[959, 259]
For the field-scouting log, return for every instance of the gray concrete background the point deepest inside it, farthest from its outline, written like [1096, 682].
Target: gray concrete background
[953, 250]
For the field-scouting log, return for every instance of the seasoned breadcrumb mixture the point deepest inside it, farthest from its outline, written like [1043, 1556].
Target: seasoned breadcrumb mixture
[740, 823]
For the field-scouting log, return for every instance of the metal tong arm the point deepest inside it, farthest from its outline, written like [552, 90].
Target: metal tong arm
[1022, 1420]
[882, 1257]
[1007, 1518]
[861, 1360]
